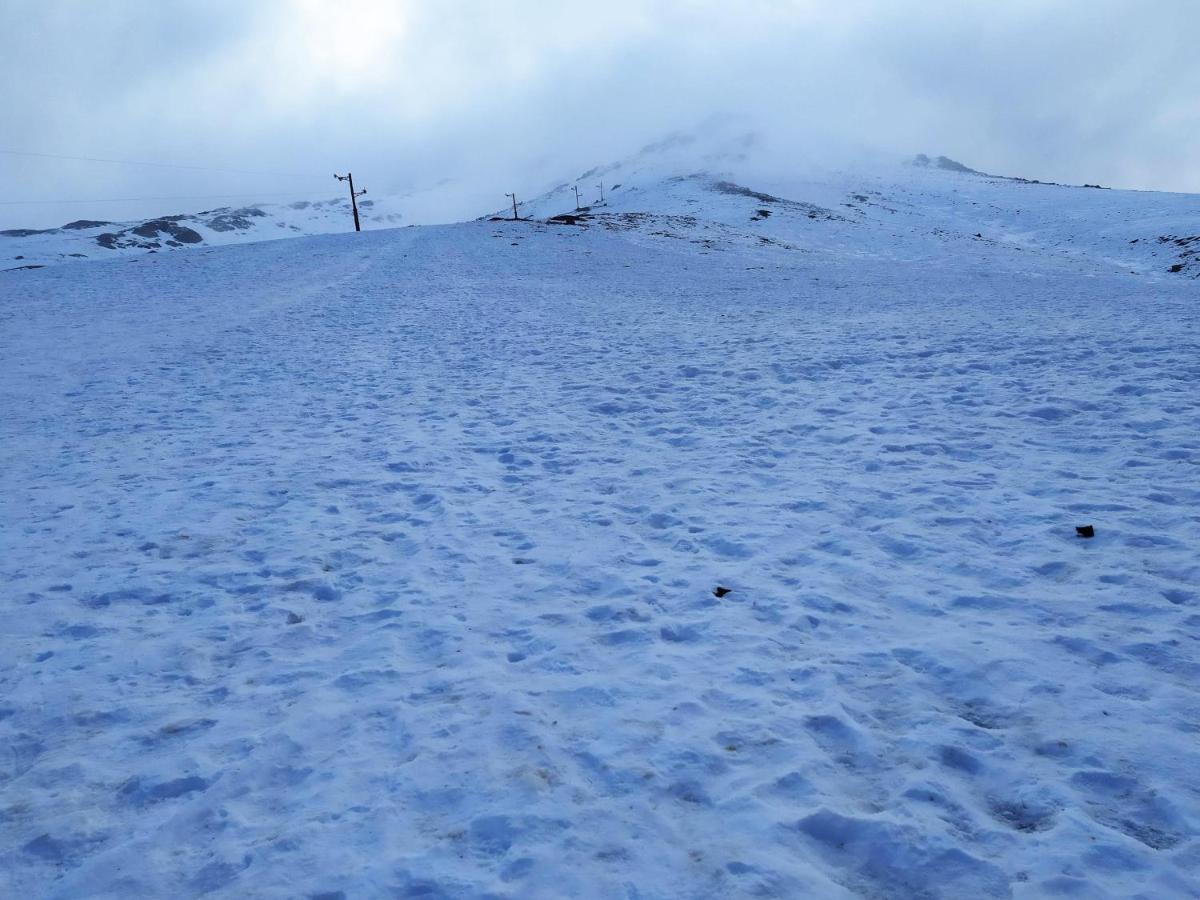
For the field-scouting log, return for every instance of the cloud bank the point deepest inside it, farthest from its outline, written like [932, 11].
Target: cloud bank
[519, 94]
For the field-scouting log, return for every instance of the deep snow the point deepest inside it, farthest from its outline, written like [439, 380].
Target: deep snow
[383, 564]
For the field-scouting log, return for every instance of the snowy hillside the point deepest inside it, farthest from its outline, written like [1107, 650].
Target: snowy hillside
[901, 212]
[83, 239]
[718, 543]
[721, 188]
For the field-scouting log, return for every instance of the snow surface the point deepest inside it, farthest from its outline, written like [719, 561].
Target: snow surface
[383, 564]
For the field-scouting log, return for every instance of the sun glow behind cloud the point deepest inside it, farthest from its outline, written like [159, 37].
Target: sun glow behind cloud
[351, 43]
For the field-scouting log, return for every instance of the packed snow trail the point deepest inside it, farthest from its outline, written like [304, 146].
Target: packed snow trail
[382, 565]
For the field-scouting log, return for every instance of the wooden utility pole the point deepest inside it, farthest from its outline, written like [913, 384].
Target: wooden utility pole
[514, 200]
[601, 186]
[577, 198]
[349, 176]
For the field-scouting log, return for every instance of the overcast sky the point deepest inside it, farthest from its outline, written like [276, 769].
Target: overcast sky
[526, 93]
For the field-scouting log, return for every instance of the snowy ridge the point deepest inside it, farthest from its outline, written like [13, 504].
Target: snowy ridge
[25, 248]
[388, 564]
[722, 187]
[904, 212]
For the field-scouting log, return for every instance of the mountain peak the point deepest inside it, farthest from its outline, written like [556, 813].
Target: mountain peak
[921, 161]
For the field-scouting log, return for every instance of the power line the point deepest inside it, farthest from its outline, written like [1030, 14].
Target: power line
[148, 199]
[160, 165]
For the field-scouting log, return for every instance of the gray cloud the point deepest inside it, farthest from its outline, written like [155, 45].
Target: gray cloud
[515, 95]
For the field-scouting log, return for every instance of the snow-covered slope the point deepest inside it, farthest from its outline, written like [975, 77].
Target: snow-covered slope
[386, 564]
[717, 190]
[84, 239]
[907, 212]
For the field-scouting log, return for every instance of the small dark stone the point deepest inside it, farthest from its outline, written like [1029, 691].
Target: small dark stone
[294, 619]
[719, 591]
[1085, 531]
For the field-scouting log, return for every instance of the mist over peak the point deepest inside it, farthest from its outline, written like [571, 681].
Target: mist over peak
[407, 95]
